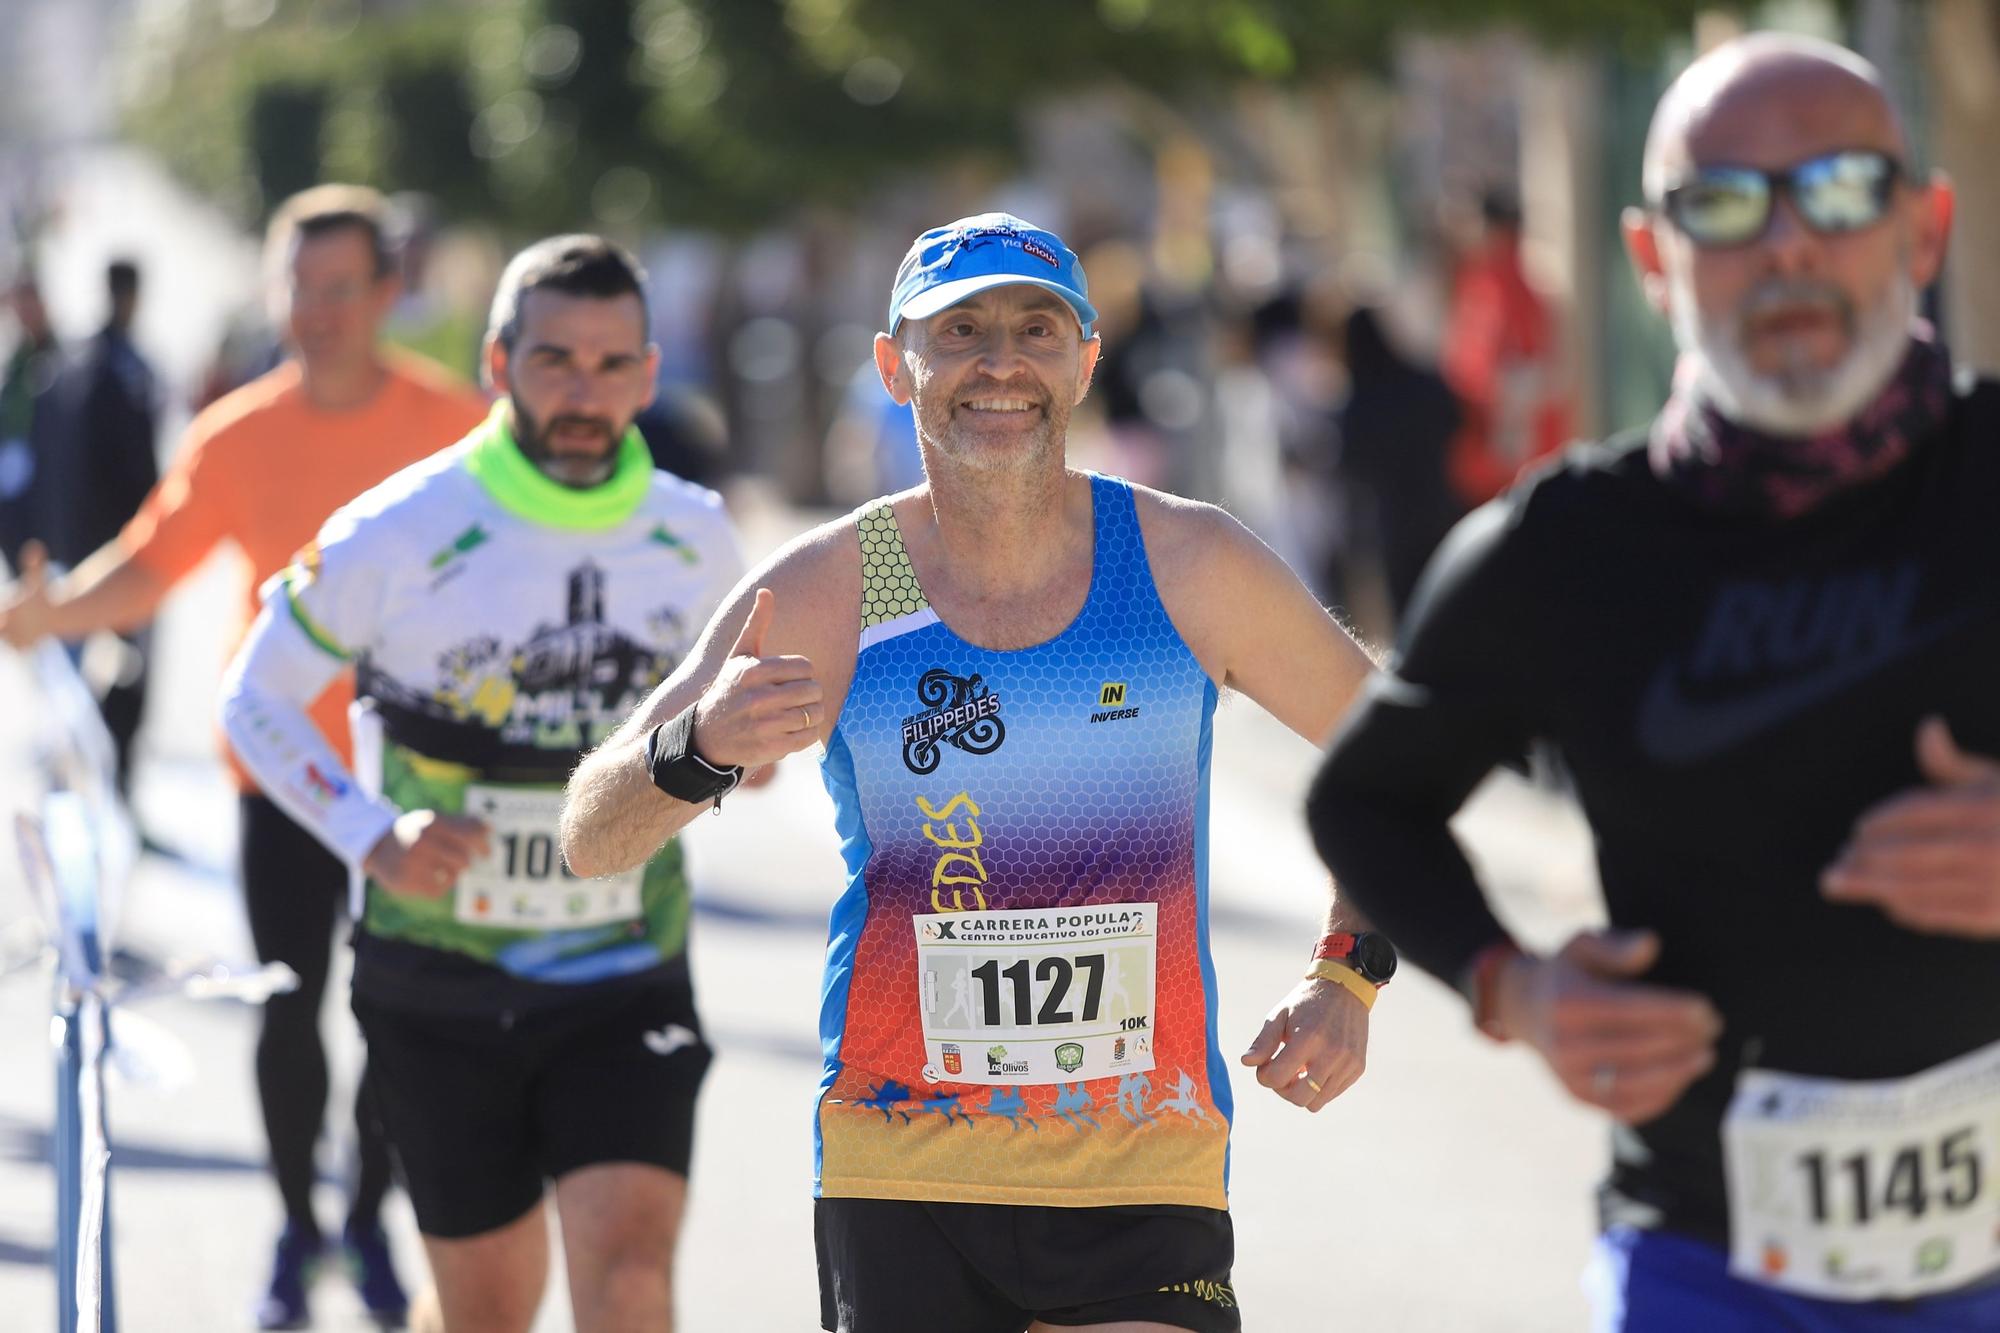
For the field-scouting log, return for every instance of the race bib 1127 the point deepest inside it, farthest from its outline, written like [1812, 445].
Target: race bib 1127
[1037, 995]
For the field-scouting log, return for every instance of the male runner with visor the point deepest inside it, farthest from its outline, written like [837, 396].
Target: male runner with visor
[1013, 669]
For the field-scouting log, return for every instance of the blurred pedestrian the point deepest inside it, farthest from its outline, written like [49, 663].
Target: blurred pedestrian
[871, 447]
[1294, 343]
[99, 466]
[260, 470]
[30, 373]
[1395, 426]
[1501, 357]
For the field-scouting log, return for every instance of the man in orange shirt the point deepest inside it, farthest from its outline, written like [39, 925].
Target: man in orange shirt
[261, 469]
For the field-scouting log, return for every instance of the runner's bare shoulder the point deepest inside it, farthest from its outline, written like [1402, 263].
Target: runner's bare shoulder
[1201, 554]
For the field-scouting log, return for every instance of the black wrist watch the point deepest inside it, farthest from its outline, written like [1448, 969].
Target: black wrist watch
[1368, 953]
[681, 773]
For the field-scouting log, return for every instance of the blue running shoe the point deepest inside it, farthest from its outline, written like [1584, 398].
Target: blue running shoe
[374, 1273]
[293, 1269]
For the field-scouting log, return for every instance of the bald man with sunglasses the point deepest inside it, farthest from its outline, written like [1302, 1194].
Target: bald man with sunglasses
[1762, 633]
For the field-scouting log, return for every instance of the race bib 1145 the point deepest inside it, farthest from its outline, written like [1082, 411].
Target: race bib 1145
[1866, 1190]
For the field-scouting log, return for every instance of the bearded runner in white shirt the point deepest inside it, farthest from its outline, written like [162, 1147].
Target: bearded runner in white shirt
[505, 604]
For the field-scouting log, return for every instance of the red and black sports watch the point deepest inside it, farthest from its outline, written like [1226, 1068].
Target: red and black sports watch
[1370, 954]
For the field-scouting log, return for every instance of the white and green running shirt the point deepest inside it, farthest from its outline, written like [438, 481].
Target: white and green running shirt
[499, 625]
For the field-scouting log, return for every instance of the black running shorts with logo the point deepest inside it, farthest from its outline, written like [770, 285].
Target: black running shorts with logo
[481, 1111]
[890, 1264]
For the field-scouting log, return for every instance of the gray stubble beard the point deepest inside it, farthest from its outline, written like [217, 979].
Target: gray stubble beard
[1798, 400]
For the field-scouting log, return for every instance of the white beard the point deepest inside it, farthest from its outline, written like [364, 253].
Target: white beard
[1796, 400]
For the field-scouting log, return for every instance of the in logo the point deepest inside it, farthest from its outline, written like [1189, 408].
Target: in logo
[995, 1057]
[963, 712]
[953, 1062]
[1069, 1057]
[1111, 705]
[1118, 1051]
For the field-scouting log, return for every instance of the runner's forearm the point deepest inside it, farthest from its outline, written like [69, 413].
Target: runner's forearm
[265, 696]
[109, 590]
[1342, 914]
[1379, 817]
[613, 816]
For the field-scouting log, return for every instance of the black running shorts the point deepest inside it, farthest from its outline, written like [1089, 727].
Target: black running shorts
[888, 1265]
[480, 1112]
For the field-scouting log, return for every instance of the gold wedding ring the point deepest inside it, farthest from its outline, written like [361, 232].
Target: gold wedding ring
[1314, 1084]
[808, 716]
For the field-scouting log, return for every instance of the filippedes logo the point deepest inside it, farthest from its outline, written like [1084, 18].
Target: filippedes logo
[963, 712]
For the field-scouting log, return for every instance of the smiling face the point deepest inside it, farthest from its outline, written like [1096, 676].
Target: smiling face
[992, 379]
[1794, 330]
[580, 369]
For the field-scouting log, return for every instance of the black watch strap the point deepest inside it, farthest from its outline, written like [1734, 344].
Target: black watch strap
[681, 773]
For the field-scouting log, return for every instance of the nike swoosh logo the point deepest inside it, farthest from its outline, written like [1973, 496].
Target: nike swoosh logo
[1676, 731]
[669, 1039]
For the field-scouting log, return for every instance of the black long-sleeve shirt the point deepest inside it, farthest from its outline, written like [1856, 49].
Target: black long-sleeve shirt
[1729, 695]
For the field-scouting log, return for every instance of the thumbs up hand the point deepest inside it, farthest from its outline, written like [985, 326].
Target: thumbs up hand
[1930, 857]
[758, 709]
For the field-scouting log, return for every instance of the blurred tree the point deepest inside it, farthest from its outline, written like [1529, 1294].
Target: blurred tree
[724, 113]
[429, 113]
[286, 122]
[249, 103]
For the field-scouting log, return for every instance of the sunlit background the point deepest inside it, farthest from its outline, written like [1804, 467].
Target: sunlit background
[1237, 175]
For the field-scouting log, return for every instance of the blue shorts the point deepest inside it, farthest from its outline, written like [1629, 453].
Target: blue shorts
[1658, 1282]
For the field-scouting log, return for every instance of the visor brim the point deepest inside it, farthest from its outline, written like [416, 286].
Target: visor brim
[948, 294]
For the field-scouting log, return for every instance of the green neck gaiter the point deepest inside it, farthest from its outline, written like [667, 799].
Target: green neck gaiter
[527, 492]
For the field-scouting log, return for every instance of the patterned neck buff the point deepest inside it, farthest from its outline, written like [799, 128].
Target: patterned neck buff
[1729, 468]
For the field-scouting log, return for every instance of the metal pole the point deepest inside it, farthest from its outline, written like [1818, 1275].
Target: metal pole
[68, 1145]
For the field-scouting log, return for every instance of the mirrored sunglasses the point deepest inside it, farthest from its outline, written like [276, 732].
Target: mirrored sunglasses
[1836, 192]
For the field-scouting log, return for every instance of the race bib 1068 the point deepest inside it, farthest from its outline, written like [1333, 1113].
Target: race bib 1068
[1037, 995]
[524, 884]
[1866, 1190]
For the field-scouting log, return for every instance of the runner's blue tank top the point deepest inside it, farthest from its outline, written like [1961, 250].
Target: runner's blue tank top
[1019, 1003]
